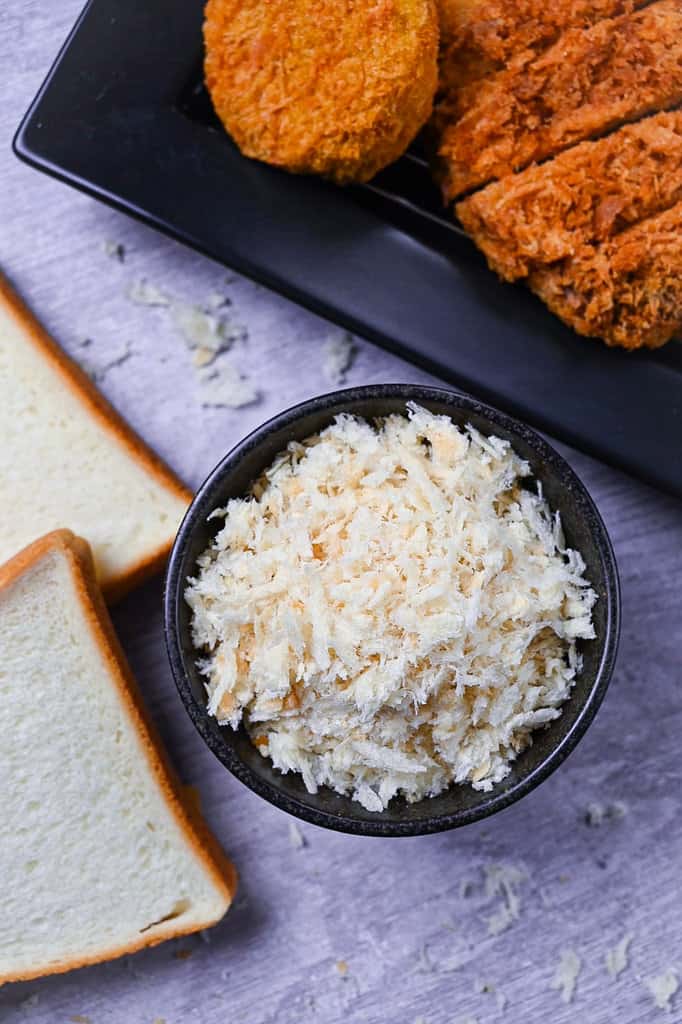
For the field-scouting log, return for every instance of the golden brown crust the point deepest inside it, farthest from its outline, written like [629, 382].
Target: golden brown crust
[100, 410]
[479, 37]
[628, 290]
[336, 88]
[588, 82]
[183, 808]
[587, 194]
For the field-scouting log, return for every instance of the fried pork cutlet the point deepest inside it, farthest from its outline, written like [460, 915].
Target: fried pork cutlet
[586, 194]
[627, 290]
[329, 87]
[587, 83]
[481, 36]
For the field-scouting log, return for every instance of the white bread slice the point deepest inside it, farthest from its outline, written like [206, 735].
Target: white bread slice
[100, 852]
[68, 460]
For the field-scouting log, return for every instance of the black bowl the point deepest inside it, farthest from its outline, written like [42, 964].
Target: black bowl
[460, 804]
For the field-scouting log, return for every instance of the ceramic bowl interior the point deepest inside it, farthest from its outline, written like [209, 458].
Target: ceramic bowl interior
[461, 804]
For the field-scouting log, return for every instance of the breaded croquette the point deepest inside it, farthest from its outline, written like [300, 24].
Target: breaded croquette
[586, 194]
[628, 290]
[332, 87]
[587, 83]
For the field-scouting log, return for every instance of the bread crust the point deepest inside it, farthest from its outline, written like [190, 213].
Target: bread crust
[180, 803]
[97, 406]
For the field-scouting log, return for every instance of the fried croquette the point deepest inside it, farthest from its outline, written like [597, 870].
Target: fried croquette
[588, 82]
[586, 194]
[628, 290]
[332, 87]
[482, 36]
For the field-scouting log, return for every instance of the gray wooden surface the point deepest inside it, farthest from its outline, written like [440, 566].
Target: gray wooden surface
[409, 918]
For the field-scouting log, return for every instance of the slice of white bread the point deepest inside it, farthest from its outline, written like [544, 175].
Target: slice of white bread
[68, 460]
[100, 851]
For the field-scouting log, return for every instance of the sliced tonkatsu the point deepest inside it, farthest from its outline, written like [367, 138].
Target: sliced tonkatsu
[586, 194]
[627, 290]
[587, 83]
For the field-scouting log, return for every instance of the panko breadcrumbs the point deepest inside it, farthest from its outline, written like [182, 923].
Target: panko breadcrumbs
[391, 610]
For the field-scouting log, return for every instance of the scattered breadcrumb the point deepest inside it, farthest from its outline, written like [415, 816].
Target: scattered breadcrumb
[225, 387]
[142, 293]
[597, 814]
[663, 988]
[205, 333]
[339, 351]
[114, 250]
[566, 974]
[296, 837]
[341, 968]
[80, 1018]
[159, 1020]
[217, 300]
[503, 880]
[182, 954]
[617, 957]
[98, 371]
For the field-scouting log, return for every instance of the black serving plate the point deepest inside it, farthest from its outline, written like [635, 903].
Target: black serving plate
[123, 115]
[458, 805]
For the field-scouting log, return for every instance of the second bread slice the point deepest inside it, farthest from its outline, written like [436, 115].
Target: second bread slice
[100, 854]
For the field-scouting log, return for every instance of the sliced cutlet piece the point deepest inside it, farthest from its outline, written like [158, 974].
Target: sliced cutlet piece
[587, 194]
[627, 290]
[481, 36]
[587, 83]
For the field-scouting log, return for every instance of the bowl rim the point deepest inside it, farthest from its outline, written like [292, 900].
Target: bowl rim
[333, 402]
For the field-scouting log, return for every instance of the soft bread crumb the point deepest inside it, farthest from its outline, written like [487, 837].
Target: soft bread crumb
[663, 988]
[114, 250]
[142, 293]
[339, 352]
[566, 975]
[391, 610]
[597, 814]
[617, 957]
[296, 837]
[225, 387]
[503, 881]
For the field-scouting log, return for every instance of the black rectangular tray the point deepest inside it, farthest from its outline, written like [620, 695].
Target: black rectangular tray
[123, 115]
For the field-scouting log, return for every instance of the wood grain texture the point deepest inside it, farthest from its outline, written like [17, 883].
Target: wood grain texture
[409, 917]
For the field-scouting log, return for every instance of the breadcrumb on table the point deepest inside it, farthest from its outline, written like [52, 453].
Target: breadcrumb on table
[589, 82]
